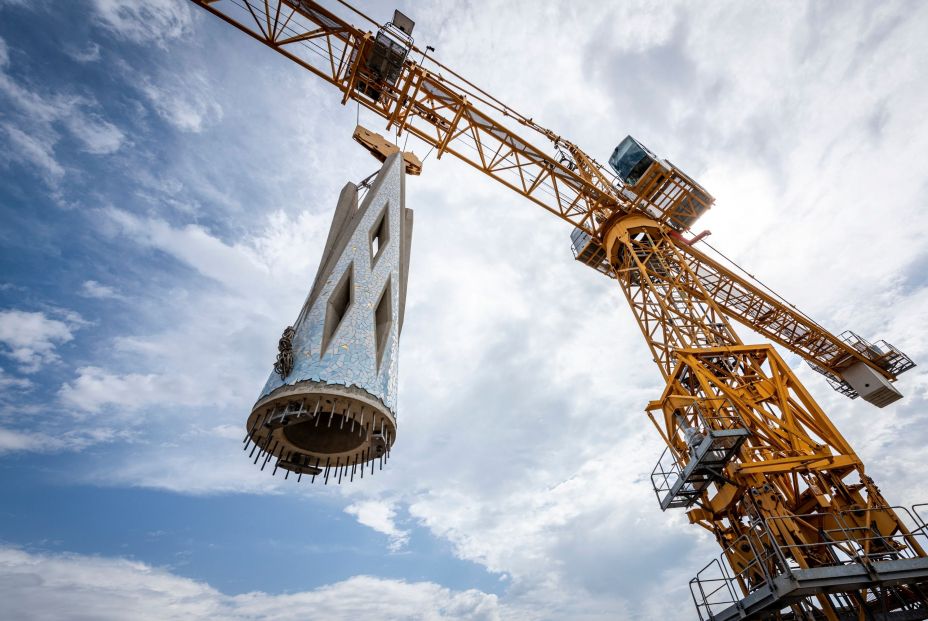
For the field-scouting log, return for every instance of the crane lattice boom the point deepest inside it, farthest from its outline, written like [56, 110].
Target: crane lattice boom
[452, 115]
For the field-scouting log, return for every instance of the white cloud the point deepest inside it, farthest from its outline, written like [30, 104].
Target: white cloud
[192, 245]
[229, 432]
[70, 587]
[35, 149]
[13, 440]
[94, 289]
[201, 368]
[186, 104]
[176, 463]
[97, 135]
[32, 133]
[94, 388]
[89, 54]
[16, 441]
[381, 516]
[30, 338]
[154, 21]
[42, 108]
[19, 383]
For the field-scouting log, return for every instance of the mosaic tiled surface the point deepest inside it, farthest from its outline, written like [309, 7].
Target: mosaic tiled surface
[350, 358]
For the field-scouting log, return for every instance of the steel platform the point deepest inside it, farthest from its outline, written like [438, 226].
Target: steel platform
[800, 583]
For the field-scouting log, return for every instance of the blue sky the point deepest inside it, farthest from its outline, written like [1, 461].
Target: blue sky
[107, 144]
[165, 189]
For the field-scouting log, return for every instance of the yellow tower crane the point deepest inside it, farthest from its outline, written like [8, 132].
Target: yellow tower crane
[750, 455]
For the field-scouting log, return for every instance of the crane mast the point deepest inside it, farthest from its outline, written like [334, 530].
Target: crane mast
[805, 532]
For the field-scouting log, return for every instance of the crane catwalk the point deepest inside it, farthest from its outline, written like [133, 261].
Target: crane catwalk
[750, 455]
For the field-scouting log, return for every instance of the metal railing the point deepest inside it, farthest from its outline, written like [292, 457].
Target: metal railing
[828, 552]
[920, 519]
[845, 540]
[834, 381]
[884, 354]
[579, 240]
[713, 590]
[874, 546]
[718, 586]
[589, 252]
[666, 474]
[696, 463]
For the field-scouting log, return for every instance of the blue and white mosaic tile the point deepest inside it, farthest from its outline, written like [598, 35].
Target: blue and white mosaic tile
[350, 356]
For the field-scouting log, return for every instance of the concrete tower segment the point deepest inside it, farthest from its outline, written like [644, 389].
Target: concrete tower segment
[329, 407]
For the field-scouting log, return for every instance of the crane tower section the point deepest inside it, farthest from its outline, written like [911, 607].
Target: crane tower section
[750, 456]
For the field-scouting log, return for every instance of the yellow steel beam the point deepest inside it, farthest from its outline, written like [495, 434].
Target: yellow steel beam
[820, 461]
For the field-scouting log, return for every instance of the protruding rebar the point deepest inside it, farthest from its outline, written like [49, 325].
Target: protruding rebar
[269, 454]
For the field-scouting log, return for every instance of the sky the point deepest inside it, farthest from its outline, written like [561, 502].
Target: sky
[166, 185]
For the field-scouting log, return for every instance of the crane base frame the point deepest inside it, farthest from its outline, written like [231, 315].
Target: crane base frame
[881, 578]
[803, 583]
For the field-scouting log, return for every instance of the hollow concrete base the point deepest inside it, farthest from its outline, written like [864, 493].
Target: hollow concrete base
[317, 429]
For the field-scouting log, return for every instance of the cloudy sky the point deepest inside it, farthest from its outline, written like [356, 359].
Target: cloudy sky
[165, 189]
